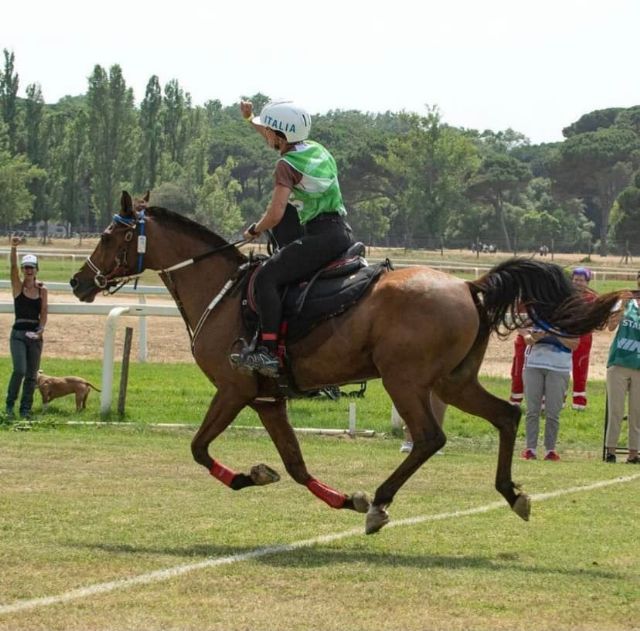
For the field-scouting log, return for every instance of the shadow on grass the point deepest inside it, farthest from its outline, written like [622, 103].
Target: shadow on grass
[310, 557]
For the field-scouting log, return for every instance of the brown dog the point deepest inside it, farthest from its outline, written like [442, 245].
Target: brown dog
[53, 387]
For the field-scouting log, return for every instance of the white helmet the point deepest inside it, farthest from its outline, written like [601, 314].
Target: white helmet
[29, 259]
[287, 117]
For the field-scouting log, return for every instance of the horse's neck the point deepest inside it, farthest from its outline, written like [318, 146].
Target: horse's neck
[194, 286]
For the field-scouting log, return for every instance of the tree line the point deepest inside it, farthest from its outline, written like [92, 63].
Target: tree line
[408, 179]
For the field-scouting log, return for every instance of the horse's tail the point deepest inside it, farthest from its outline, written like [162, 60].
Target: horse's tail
[545, 292]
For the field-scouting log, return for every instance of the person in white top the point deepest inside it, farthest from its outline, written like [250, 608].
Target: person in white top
[546, 375]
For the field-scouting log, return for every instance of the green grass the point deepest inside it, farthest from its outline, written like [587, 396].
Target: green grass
[86, 506]
[179, 393]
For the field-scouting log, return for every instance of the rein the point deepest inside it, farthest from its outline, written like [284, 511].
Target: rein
[119, 275]
[117, 278]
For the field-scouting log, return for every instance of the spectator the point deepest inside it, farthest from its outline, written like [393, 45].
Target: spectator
[30, 305]
[546, 374]
[517, 367]
[580, 278]
[517, 363]
[623, 374]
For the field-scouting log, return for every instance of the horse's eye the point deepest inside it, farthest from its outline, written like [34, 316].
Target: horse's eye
[104, 237]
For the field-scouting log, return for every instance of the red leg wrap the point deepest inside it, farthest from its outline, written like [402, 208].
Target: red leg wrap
[326, 493]
[222, 473]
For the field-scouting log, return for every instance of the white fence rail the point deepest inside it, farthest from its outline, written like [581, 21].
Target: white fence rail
[141, 292]
[113, 313]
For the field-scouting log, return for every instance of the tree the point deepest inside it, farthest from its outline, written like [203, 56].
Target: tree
[9, 82]
[68, 166]
[595, 166]
[172, 196]
[498, 180]
[174, 118]
[218, 201]
[429, 167]
[371, 218]
[37, 152]
[111, 123]
[625, 216]
[151, 135]
[16, 173]
[598, 119]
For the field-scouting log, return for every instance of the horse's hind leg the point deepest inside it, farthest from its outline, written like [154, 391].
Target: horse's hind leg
[471, 397]
[274, 418]
[424, 421]
[224, 407]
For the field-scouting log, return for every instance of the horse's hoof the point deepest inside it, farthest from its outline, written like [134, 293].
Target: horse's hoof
[377, 517]
[360, 502]
[261, 474]
[522, 506]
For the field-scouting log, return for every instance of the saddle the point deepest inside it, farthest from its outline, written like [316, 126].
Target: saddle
[329, 292]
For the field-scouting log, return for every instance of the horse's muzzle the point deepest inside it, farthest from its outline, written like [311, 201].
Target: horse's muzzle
[84, 290]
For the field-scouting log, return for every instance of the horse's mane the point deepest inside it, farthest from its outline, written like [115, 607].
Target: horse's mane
[184, 225]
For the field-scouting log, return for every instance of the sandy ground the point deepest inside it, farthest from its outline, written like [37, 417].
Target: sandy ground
[81, 337]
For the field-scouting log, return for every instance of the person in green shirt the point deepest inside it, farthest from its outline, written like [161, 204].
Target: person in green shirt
[306, 177]
[623, 375]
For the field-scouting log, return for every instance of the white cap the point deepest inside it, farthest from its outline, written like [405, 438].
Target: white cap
[29, 259]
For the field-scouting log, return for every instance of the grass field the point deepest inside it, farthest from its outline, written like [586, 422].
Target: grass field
[179, 393]
[81, 508]
[87, 509]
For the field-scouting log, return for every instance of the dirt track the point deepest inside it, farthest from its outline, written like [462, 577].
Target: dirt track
[81, 337]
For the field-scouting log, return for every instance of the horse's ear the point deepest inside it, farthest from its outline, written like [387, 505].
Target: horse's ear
[146, 197]
[126, 205]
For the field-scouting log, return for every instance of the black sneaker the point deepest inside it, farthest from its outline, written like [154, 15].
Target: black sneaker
[634, 460]
[261, 360]
[610, 458]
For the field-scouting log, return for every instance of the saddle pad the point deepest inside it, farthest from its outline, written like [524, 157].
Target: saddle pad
[327, 297]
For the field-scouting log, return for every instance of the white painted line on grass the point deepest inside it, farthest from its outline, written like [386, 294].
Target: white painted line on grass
[179, 570]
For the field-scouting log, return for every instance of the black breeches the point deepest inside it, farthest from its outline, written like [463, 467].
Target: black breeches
[322, 244]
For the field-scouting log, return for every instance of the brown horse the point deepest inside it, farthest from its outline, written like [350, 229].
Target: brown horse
[423, 332]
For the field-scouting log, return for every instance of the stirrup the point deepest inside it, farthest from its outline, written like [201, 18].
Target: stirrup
[260, 360]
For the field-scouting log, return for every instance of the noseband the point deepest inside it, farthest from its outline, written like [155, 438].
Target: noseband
[120, 274]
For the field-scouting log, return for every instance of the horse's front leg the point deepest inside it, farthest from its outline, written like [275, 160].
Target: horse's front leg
[275, 420]
[423, 415]
[225, 406]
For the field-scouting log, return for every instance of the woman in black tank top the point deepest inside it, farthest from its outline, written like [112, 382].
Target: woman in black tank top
[25, 342]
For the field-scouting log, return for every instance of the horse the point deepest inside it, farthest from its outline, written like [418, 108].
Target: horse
[420, 330]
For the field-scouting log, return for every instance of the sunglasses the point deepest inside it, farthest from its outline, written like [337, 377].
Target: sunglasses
[28, 267]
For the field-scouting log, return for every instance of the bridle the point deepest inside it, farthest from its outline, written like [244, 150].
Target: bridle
[119, 276]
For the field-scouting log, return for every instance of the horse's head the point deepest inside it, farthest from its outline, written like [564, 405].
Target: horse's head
[118, 255]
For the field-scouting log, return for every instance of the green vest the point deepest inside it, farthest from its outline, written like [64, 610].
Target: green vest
[318, 191]
[625, 348]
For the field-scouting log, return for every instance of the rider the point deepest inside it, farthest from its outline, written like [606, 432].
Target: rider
[307, 177]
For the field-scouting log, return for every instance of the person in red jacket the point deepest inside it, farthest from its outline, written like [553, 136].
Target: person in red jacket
[580, 277]
[517, 365]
